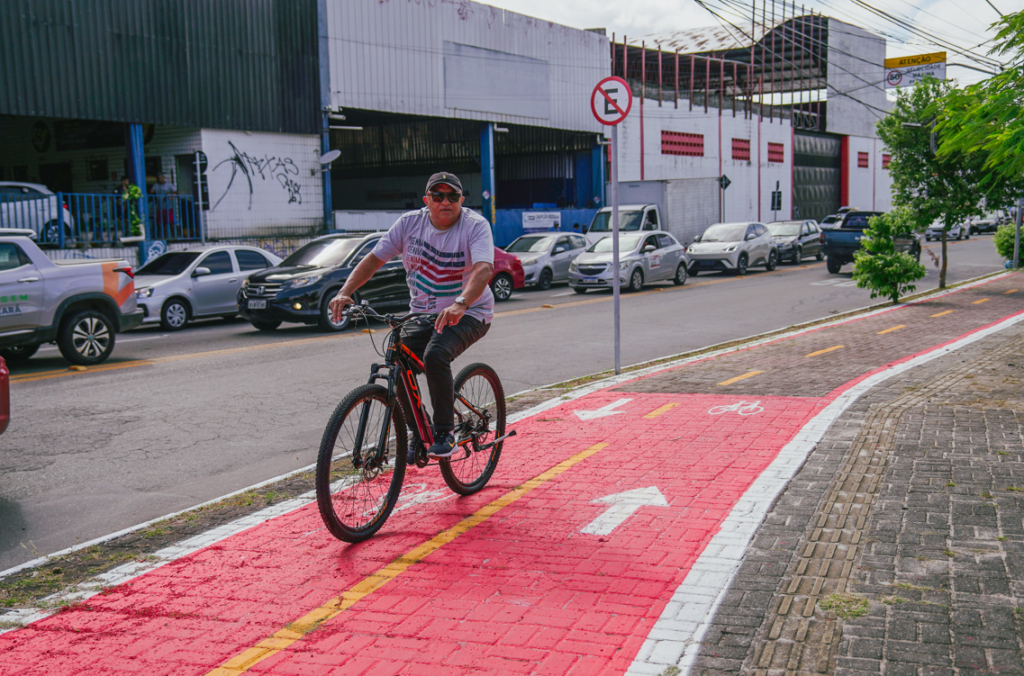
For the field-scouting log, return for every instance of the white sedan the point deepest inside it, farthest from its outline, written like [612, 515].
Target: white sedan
[31, 206]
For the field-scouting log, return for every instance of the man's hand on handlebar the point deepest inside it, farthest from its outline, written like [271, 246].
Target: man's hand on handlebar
[339, 303]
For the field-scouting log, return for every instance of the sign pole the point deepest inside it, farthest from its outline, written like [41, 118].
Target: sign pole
[199, 197]
[1016, 234]
[615, 246]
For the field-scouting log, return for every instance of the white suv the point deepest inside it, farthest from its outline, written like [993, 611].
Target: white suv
[733, 246]
[30, 206]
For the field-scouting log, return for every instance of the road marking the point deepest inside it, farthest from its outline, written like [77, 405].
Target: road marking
[566, 293]
[298, 629]
[602, 412]
[749, 374]
[826, 350]
[623, 506]
[1010, 291]
[740, 407]
[891, 329]
[942, 314]
[119, 341]
[983, 300]
[658, 411]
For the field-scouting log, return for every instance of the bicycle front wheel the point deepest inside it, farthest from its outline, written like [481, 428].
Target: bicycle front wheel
[361, 464]
[480, 419]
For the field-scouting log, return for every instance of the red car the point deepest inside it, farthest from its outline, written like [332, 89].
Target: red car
[508, 275]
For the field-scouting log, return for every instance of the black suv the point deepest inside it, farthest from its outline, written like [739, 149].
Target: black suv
[302, 286]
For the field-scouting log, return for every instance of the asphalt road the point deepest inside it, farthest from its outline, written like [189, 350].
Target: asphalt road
[173, 420]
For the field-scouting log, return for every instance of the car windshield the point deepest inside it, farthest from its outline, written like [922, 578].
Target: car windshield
[525, 244]
[171, 263]
[725, 232]
[626, 244]
[828, 220]
[784, 229]
[628, 220]
[322, 253]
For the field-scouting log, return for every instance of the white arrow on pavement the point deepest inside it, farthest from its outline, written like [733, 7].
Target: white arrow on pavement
[603, 411]
[622, 507]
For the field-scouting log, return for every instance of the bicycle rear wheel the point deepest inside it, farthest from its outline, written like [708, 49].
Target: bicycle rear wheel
[479, 417]
[361, 464]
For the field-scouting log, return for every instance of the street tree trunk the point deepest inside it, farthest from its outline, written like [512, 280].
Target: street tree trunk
[942, 269]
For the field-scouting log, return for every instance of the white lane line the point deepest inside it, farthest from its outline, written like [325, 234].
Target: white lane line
[675, 639]
[559, 295]
[167, 555]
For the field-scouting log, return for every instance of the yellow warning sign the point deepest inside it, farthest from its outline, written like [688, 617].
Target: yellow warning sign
[919, 60]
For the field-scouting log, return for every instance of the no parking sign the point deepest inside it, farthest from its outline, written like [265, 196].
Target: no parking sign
[611, 100]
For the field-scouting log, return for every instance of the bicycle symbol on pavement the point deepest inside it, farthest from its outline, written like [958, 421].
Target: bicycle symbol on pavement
[741, 407]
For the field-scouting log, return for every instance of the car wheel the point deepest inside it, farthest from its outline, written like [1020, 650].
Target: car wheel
[833, 265]
[636, 280]
[501, 286]
[820, 256]
[927, 238]
[959, 235]
[86, 338]
[968, 235]
[798, 256]
[13, 355]
[544, 281]
[50, 234]
[326, 319]
[265, 326]
[579, 289]
[773, 261]
[741, 265]
[680, 277]
[174, 315]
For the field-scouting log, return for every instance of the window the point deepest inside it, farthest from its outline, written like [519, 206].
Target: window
[759, 229]
[666, 240]
[578, 242]
[563, 242]
[805, 230]
[885, 161]
[218, 262]
[251, 260]
[651, 241]
[681, 143]
[812, 228]
[776, 152]
[10, 257]
[651, 221]
[862, 160]
[741, 149]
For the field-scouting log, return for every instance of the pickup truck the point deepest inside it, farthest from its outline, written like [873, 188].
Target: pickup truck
[78, 304]
[841, 241]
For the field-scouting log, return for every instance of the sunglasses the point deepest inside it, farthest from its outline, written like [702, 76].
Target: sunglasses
[439, 197]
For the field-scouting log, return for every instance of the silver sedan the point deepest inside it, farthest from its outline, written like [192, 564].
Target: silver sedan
[546, 256]
[179, 286]
[643, 258]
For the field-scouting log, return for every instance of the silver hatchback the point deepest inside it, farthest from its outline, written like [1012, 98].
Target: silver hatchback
[733, 247]
[199, 282]
[546, 256]
[643, 258]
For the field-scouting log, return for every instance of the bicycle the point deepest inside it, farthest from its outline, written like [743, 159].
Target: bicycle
[361, 464]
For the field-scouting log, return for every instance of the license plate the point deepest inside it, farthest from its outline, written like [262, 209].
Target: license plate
[257, 305]
[590, 280]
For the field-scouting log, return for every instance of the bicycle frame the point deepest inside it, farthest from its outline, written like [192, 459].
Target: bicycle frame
[400, 378]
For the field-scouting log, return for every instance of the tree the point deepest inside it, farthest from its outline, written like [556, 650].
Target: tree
[878, 266]
[935, 186]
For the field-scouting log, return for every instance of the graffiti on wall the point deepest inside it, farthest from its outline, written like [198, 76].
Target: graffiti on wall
[267, 168]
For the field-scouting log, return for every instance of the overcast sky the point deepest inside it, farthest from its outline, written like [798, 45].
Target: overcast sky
[964, 23]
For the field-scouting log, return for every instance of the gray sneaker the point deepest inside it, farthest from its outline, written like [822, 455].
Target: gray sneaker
[443, 446]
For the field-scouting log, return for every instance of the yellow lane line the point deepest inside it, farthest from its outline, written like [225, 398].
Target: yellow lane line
[46, 375]
[748, 374]
[983, 300]
[1010, 291]
[890, 330]
[942, 314]
[658, 411]
[826, 350]
[297, 630]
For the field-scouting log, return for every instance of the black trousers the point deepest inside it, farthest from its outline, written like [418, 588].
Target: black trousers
[438, 351]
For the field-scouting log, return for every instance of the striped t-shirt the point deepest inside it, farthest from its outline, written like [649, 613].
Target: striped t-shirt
[438, 262]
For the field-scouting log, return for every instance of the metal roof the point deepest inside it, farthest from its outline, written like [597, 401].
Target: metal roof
[708, 39]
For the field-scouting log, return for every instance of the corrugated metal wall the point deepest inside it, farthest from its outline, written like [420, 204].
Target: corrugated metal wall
[390, 56]
[223, 64]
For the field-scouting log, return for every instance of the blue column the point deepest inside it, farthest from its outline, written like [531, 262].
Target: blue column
[324, 58]
[488, 184]
[137, 175]
[597, 175]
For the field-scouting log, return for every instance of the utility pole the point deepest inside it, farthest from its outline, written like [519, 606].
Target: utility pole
[1016, 234]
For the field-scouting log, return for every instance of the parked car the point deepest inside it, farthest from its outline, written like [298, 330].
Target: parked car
[79, 304]
[198, 282]
[796, 239]
[989, 222]
[30, 206]
[934, 231]
[301, 287]
[829, 222]
[643, 258]
[735, 247]
[845, 210]
[546, 256]
[840, 243]
[508, 275]
[5, 395]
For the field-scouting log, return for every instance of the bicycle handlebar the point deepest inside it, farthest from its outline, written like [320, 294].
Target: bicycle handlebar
[393, 321]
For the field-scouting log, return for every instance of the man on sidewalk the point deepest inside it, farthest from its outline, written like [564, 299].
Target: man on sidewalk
[448, 254]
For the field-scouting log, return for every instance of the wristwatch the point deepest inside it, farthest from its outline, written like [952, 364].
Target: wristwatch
[461, 300]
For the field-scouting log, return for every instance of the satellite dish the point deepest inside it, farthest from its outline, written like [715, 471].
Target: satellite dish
[330, 156]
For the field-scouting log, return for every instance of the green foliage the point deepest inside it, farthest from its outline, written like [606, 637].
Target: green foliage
[132, 195]
[1003, 239]
[878, 266]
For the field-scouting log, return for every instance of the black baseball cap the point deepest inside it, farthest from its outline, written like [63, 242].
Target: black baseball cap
[444, 177]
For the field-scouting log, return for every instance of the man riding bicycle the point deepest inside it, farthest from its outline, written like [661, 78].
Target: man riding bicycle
[448, 254]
